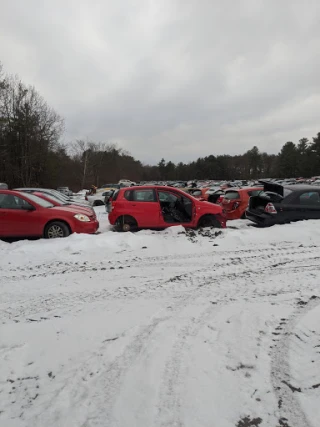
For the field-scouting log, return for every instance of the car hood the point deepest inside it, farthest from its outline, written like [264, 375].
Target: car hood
[74, 210]
[80, 209]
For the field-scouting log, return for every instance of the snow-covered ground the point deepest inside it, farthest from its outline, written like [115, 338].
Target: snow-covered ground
[163, 329]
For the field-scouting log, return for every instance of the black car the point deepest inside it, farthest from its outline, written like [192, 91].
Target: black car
[279, 204]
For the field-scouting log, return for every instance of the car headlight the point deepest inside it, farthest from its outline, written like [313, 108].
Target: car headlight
[83, 218]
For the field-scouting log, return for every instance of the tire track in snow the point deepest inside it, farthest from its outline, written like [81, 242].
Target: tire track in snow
[221, 257]
[112, 379]
[291, 413]
[221, 269]
[170, 396]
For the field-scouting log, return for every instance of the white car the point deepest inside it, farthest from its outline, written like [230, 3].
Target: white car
[98, 198]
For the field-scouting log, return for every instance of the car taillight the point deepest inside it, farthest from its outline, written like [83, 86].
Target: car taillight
[236, 205]
[270, 209]
[86, 197]
[219, 199]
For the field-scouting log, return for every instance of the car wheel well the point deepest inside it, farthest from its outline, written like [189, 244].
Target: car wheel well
[126, 223]
[209, 220]
[56, 220]
[98, 203]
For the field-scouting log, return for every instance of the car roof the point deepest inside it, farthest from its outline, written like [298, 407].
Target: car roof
[33, 189]
[302, 187]
[148, 187]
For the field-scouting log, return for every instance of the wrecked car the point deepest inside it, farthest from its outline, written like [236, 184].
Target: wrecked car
[160, 207]
[279, 204]
[235, 201]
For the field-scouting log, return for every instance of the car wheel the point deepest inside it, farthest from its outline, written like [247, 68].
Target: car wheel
[243, 216]
[209, 221]
[56, 229]
[126, 223]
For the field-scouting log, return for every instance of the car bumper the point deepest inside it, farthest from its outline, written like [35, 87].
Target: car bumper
[86, 227]
[263, 220]
[112, 218]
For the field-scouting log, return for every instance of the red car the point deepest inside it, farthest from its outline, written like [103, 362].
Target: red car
[235, 201]
[161, 207]
[26, 215]
[56, 202]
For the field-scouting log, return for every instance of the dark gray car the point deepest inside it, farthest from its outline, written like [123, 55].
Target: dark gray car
[278, 204]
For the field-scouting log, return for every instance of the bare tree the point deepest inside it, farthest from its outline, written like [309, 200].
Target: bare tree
[30, 129]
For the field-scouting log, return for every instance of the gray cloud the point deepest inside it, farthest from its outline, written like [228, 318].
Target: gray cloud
[176, 79]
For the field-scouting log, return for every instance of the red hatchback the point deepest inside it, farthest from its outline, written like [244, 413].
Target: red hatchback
[235, 201]
[161, 207]
[26, 215]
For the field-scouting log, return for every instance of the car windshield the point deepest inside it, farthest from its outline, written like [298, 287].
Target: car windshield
[231, 195]
[58, 195]
[110, 186]
[55, 199]
[38, 200]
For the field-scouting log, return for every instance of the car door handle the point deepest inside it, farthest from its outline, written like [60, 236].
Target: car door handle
[3, 213]
[133, 204]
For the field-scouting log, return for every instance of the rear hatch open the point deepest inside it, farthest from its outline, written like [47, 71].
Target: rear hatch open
[272, 193]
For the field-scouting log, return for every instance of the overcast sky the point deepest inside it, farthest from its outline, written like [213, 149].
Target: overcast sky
[176, 79]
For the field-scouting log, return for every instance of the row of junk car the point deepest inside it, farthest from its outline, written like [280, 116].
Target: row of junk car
[48, 213]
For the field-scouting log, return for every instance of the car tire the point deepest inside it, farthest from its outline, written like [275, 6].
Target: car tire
[56, 229]
[209, 221]
[126, 223]
[243, 216]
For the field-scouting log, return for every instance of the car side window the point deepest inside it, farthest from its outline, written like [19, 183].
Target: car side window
[143, 196]
[165, 196]
[8, 201]
[310, 198]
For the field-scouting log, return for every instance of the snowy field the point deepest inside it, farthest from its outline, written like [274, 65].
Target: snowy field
[162, 329]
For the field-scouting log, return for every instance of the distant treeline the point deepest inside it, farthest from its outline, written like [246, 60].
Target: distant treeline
[31, 153]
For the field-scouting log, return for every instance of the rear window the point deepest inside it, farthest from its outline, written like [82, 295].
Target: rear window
[127, 195]
[115, 195]
[196, 193]
[144, 196]
[231, 195]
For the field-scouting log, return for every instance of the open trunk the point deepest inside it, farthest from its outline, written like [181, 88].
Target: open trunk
[257, 204]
